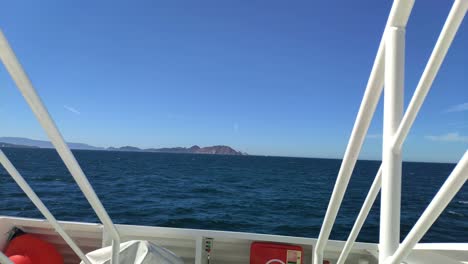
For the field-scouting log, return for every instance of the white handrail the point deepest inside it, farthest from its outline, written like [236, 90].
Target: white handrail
[23, 83]
[365, 209]
[10, 168]
[4, 259]
[440, 50]
[443, 43]
[399, 15]
[390, 193]
[449, 189]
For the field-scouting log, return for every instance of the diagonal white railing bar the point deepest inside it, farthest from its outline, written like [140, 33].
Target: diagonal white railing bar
[4, 259]
[399, 15]
[363, 213]
[23, 83]
[444, 41]
[10, 168]
[449, 189]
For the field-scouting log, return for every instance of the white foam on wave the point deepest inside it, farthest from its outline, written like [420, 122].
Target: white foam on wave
[455, 213]
[462, 202]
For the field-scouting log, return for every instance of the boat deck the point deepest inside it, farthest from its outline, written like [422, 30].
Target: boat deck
[229, 247]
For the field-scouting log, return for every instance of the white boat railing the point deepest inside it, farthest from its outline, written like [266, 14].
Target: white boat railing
[26, 88]
[4, 259]
[449, 189]
[363, 213]
[10, 168]
[372, 94]
[388, 66]
[399, 15]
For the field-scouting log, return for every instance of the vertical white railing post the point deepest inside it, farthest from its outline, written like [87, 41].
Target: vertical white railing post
[449, 189]
[391, 161]
[399, 14]
[451, 26]
[444, 41]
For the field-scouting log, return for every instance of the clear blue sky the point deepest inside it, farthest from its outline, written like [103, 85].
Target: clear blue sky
[265, 77]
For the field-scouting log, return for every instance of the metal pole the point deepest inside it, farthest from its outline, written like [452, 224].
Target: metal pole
[22, 81]
[449, 189]
[391, 161]
[399, 15]
[454, 19]
[446, 37]
[365, 209]
[40, 205]
[4, 259]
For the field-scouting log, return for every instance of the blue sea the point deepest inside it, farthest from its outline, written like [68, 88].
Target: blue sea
[271, 195]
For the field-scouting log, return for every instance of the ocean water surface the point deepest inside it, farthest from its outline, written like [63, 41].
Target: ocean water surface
[272, 195]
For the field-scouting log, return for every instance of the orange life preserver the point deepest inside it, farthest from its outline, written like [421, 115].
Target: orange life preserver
[28, 249]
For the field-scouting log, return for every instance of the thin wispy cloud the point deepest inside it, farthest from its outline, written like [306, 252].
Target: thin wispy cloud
[458, 125]
[71, 109]
[175, 116]
[449, 137]
[458, 108]
[374, 136]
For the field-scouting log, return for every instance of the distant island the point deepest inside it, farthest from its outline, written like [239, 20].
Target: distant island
[8, 145]
[19, 142]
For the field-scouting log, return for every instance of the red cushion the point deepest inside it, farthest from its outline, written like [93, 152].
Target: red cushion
[37, 250]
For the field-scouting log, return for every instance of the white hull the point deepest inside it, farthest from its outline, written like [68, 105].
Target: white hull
[229, 247]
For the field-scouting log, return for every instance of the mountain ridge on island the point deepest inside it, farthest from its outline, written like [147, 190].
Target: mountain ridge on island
[20, 142]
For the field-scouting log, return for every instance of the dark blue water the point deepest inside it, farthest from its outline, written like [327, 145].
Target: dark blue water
[274, 195]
